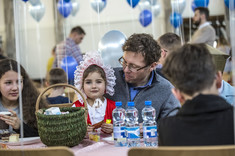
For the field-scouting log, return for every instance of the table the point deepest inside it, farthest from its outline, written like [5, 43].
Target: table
[85, 148]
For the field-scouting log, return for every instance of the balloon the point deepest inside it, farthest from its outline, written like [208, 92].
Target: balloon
[67, 1]
[98, 5]
[34, 2]
[133, 3]
[146, 5]
[25, 0]
[37, 11]
[145, 18]
[232, 3]
[69, 65]
[110, 47]
[178, 6]
[156, 9]
[176, 19]
[75, 5]
[64, 8]
[201, 3]
[193, 6]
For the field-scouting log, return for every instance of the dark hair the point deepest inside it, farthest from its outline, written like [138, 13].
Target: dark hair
[169, 41]
[144, 44]
[91, 69]
[78, 30]
[29, 92]
[57, 75]
[191, 68]
[204, 10]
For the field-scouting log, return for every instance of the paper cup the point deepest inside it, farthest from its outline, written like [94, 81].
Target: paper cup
[3, 125]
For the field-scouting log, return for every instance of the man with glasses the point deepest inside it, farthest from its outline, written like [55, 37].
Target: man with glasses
[137, 80]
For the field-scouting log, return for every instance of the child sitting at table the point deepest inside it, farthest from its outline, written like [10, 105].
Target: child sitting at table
[95, 79]
[57, 75]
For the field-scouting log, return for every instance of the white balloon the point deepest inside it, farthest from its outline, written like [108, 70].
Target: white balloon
[98, 5]
[34, 2]
[75, 5]
[37, 11]
[110, 47]
[156, 9]
[178, 6]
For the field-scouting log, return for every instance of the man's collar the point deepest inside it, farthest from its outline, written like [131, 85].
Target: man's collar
[203, 25]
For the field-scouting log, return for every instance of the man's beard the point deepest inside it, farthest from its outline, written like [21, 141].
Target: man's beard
[197, 23]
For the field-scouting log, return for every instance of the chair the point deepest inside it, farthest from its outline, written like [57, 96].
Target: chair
[227, 150]
[48, 151]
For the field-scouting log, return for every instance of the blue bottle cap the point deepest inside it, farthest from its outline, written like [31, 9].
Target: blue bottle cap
[118, 103]
[148, 103]
[130, 104]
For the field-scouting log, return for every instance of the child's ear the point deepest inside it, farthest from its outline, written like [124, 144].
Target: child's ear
[218, 79]
[178, 95]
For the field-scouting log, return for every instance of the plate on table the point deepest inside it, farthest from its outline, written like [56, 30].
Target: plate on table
[24, 141]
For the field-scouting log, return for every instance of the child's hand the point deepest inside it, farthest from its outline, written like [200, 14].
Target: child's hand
[12, 120]
[90, 128]
[107, 128]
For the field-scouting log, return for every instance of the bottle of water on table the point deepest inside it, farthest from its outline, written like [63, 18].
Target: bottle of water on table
[119, 129]
[132, 126]
[149, 125]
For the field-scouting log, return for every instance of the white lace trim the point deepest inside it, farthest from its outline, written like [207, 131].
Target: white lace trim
[91, 58]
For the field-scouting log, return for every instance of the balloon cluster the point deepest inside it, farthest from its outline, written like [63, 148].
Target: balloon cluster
[178, 7]
[67, 7]
[148, 10]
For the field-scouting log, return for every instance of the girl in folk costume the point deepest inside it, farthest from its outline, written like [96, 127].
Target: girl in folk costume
[95, 79]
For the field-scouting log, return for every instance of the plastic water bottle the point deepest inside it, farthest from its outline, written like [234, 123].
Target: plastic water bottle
[149, 125]
[119, 129]
[132, 126]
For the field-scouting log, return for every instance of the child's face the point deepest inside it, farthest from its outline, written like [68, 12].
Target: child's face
[94, 86]
[9, 86]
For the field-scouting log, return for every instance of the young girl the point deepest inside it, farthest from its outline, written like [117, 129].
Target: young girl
[95, 79]
[11, 86]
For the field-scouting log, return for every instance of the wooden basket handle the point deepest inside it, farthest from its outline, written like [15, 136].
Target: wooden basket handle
[59, 85]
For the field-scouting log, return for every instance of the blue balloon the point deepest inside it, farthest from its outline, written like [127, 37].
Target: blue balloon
[201, 3]
[69, 65]
[145, 18]
[65, 8]
[176, 19]
[232, 4]
[133, 3]
[193, 6]
[25, 0]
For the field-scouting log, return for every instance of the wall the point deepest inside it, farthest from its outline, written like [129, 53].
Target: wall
[36, 39]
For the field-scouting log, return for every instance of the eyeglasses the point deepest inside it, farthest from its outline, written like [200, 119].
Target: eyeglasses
[131, 67]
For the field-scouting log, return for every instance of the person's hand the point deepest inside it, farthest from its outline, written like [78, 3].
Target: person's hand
[12, 120]
[90, 128]
[107, 128]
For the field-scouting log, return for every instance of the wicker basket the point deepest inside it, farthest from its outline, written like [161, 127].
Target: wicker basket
[65, 129]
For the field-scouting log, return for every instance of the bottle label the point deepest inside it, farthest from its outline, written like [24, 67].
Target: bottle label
[133, 132]
[119, 132]
[150, 131]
